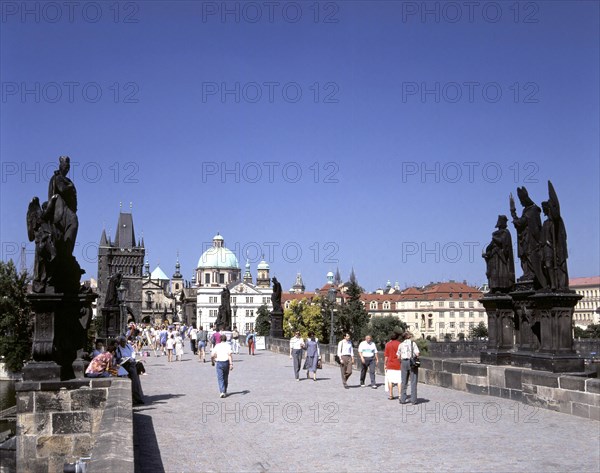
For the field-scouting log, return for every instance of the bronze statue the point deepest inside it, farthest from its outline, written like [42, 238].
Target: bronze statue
[554, 241]
[224, 315]
[276, 296]
[499, 258]
[112, 293]
[40, 229]
[65, 214]
[529, 230]
[54, 229]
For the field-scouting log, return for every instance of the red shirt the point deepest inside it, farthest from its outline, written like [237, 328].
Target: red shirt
[391, 348]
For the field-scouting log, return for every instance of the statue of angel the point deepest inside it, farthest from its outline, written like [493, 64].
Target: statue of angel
[41, 230]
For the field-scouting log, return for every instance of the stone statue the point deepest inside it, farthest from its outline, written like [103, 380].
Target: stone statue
[65, 214]
[54, 229]
[276, 296]
[554, 244]
[40, 229]
[112, 293]
[499, 258]
[529, 234]
[224, 315]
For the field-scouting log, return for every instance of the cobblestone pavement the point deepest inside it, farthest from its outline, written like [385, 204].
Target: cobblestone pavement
[270, 422]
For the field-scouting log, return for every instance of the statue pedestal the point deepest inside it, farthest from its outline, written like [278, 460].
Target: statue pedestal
[276, 325]
[526, 326]
[499, 309]
[60, 329]
[111, 323]
[554, 312]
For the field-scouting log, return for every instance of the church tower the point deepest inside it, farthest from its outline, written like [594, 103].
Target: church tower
[123, 255]
[298, 287]
[177, 279]
[247, 274]
[263, 279]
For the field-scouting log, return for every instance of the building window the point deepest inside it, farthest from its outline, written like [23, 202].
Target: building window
[250, 327]
[221, 278]
[234, 300]
[461, 324]
[373, 305]
[441, 304]
[452, 324]
[442, 325]
[386, 305]
[249, 300]
[212, 299]
[265, 300]
[461, 304]
[471, 304]
[207, 278]
[471, 314]
[451, 304]
[451, 314]
[461, 313]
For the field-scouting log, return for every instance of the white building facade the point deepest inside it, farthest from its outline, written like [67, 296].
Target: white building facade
[217, 268]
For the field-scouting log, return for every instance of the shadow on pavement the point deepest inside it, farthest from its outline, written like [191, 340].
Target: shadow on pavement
[147, 457]
[160, 397]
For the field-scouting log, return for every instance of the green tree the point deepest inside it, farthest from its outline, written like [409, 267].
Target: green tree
[16, 324]
[380, 329]
[479, 331]
[353, 317]
[304, 316]
[263, 321]
[592, 331]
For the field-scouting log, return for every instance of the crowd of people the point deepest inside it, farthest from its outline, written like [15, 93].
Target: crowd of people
[122, 356]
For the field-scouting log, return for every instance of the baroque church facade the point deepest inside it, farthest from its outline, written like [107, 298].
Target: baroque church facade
[218, 268]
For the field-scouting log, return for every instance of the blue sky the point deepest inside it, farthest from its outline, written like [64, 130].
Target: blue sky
[372, 135]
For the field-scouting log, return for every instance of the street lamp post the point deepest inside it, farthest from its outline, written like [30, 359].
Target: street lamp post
[121, 291]
[331, 297]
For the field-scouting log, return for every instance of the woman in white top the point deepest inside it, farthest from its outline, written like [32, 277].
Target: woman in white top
[178, 347]
[406, 351]
[170, 347]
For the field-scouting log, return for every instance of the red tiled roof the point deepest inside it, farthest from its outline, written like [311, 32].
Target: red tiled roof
[590, 281]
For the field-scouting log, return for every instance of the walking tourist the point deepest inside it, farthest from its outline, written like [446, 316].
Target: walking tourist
[235, 341]
[250, 339]
[222, 356]
[313, 355]
[193, 334]
[178, 347]
[296, 346]
[393, 374]
[345, 352]
[170, 347]
[406, 351]
[201, 338]
[367, 350]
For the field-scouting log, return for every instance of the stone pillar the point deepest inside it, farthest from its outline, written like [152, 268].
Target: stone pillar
[526, 325]
[555, 314]
[276, 325]
[111, 322]
[499, 309]
[61, 322]
[58, 421]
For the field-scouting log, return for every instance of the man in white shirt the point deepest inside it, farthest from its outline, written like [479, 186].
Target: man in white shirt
[369, 359]
[296, 346]
[406, 351]
[193, 334]
[222, 355]
[346, 353]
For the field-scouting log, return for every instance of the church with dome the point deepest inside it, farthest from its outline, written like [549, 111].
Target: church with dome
[218, 268]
